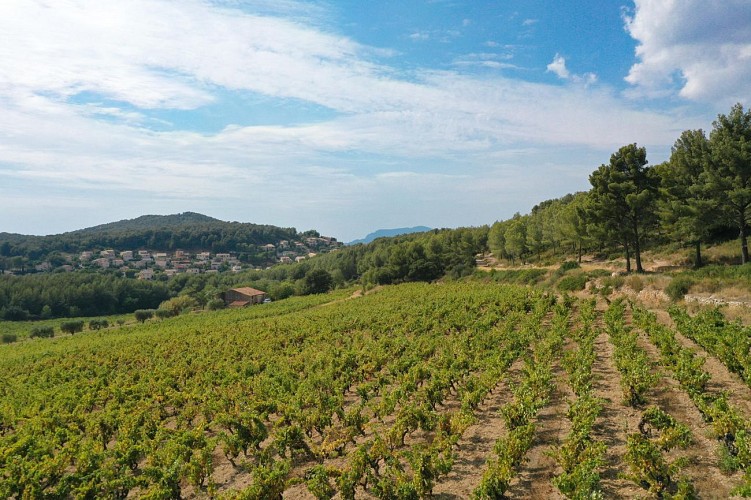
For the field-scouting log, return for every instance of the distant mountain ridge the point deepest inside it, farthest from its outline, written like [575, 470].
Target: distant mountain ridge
[387, 233]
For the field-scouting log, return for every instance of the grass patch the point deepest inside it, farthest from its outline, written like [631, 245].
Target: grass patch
[530, 276]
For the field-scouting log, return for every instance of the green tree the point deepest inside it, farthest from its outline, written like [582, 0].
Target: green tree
[572, 222]
[516, 238]
[142, 315]
[72, 326]
[623, 197]
[497, 239]
[317, 281]
[727, 179]
[686, 212]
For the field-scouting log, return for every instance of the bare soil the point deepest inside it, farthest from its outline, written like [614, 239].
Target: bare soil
[703, 459]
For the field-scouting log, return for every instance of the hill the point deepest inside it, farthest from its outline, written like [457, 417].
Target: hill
[186, 231]
[387, 233]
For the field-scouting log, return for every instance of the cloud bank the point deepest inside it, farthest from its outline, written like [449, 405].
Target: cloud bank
[85, 85]
[700, 49]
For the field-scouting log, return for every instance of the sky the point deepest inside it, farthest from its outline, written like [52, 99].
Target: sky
[345, 116]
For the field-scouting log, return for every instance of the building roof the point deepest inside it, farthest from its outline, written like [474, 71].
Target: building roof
[238, 303]
[250, 292]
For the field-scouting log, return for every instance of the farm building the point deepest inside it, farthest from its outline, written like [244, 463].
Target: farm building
[241, 297]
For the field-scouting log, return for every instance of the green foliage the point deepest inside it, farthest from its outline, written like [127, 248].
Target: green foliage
[317, 281]
[75, 294]
[529, 276]
[623, 197]
[727, 180]
[178, 305]
[72, 327]
[632, 361]
[215, 304]
[318, 482]
[142, 315]
[98, 324]
[8, 338]
[14, 313]
[678, 287]
[42, 332]
[572, 282]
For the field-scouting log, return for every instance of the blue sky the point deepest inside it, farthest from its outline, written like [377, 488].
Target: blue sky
[344, 116]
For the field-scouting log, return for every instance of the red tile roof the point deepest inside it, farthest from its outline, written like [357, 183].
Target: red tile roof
[250, 292]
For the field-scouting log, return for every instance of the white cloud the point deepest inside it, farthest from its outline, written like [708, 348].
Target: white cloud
[385, 126]
[419, 36]
[558, 67]
[699, 49]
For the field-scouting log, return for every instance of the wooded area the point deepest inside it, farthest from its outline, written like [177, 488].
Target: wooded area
[701, 193]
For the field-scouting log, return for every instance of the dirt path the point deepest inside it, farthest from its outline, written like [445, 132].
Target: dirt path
[476, 444]
[534, 479]
[739, 394]
[616, 421]
[703, 463]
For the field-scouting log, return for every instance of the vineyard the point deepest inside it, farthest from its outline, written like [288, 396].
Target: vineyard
[451, 390]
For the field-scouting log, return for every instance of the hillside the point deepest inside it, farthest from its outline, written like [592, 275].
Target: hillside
[453, 389]
[187, 231]
[387, 233]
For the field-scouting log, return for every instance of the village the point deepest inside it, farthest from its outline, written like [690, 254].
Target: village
[149, 264]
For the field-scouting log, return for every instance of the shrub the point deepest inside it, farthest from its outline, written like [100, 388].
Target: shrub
[215, 304]
[678, 287]
[42, 332]
[635, 283]
[72, 326]
[143, 314]
[178, 305]
[572, 282]
[163, 313]
[569, 265]
[97, 324]
[8, 338]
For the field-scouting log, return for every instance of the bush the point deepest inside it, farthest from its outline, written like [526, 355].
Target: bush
[215, 304]
[635, 283]
[678, 287]
[72, 326]
[163, 313]
[569, 265]
[42, 332]
[98, 324]
[572, 282]
[177, 305]
[143, 314]
[8, 338]
[518, 276]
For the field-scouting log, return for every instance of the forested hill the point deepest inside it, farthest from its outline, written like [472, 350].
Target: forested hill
[186, 231]
[388, 233]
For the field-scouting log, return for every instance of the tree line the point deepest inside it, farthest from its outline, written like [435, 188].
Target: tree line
[700, 194]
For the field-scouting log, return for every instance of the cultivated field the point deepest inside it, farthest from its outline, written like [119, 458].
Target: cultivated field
[452, 390]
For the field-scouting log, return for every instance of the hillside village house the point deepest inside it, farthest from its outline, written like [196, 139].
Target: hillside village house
[241, 297]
